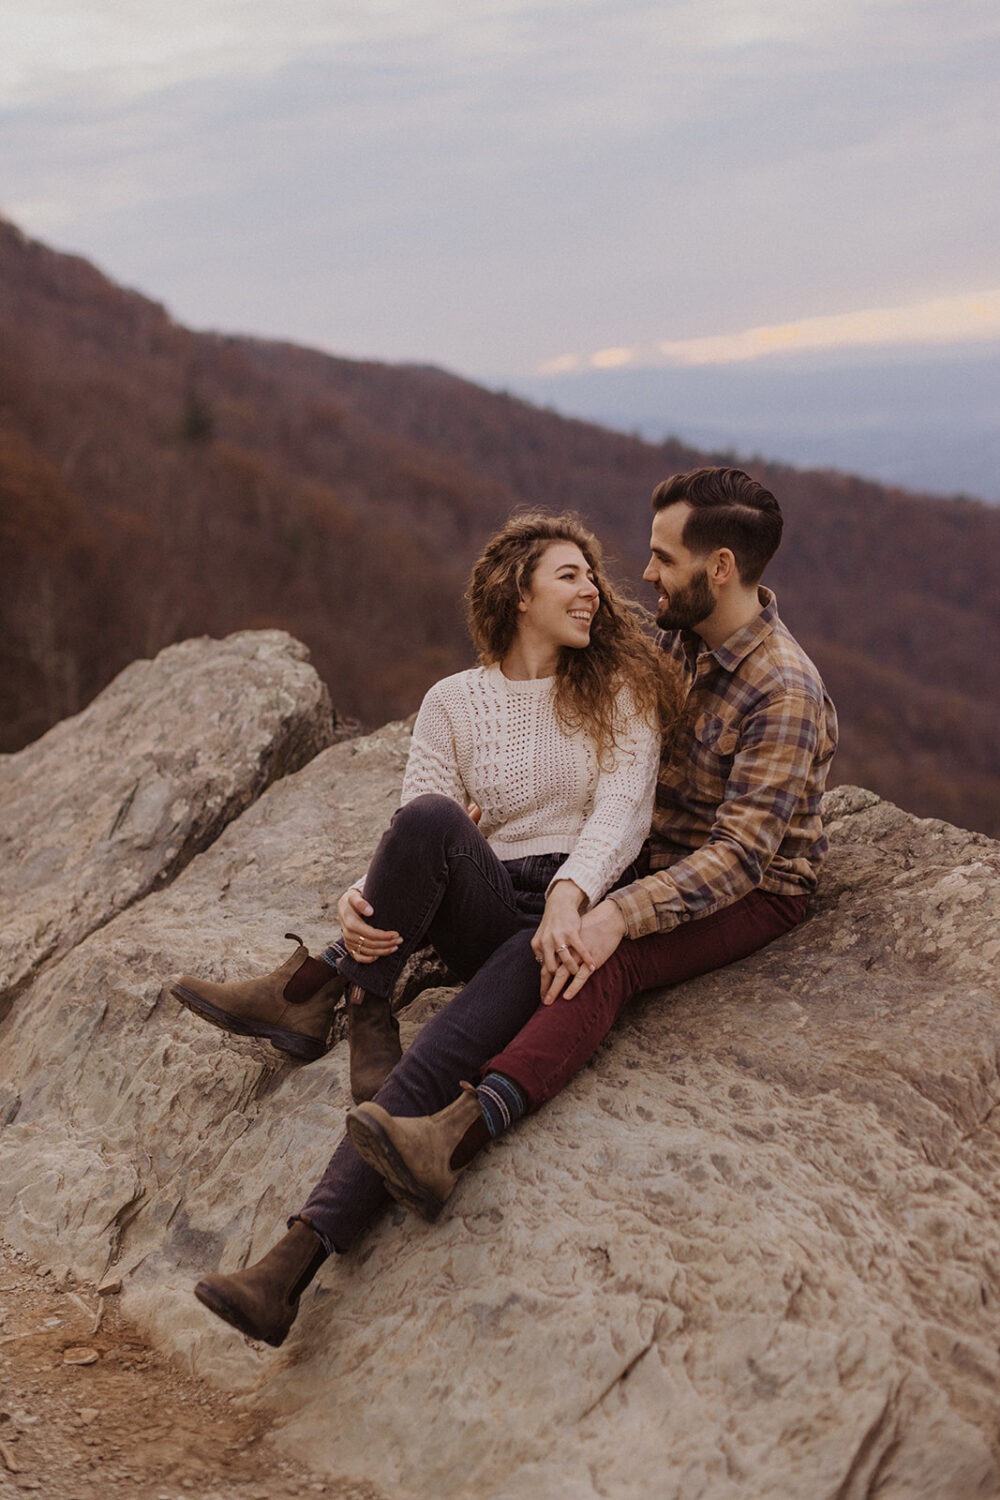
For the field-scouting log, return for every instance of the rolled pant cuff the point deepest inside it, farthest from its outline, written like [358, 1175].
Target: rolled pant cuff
[328, 1246]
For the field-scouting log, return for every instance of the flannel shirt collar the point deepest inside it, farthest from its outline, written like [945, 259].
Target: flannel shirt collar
[734, 651]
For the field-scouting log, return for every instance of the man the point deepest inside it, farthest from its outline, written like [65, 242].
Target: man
[735, 849]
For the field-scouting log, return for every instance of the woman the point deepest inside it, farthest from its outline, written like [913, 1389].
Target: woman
[555, 737]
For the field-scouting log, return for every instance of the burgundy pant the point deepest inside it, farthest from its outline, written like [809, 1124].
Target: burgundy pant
[496, 1022]
[553, 1046]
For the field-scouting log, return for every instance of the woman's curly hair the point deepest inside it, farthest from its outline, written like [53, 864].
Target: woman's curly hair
[590, 681]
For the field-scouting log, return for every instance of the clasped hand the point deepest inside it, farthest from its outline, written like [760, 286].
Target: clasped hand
[570, 946]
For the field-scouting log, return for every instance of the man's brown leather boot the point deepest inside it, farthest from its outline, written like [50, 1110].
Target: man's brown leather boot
[420, 1159]
[262, 1300]
[373, 1037]
[292, 1007]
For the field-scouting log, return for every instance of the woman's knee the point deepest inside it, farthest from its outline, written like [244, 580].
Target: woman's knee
[429, 820]
[426, 815]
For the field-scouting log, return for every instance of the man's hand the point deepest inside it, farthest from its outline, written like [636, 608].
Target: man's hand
[364, 943]
[601, 932]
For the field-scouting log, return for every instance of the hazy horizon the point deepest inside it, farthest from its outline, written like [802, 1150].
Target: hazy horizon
[926, 422]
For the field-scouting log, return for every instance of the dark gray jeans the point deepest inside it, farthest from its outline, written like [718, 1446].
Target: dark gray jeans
[435, 879]
[496, 1021]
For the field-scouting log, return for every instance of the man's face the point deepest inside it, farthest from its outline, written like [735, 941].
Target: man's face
[684, 594]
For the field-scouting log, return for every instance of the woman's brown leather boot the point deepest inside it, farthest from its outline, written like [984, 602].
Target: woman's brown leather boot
[262, 1300]
[292, 1007]
[373, 1037]
[420, 1158]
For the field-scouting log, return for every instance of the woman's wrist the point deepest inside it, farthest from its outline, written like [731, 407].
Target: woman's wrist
[566, 894]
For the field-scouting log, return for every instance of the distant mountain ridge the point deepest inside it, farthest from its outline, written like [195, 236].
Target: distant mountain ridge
[157, 483]
[923, 418]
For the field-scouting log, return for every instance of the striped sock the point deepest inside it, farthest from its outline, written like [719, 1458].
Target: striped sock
[334, 953]
[501, 1102]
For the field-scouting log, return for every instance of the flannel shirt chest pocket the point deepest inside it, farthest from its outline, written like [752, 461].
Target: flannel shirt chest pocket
[713, 745]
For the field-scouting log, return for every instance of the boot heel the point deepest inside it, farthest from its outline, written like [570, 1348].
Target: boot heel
[294, 1044]
[373, 1145]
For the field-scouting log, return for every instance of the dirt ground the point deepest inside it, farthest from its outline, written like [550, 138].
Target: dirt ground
[88, 1410]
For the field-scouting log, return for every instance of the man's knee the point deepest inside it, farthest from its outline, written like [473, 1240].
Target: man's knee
[610, 986]
[596, 1004]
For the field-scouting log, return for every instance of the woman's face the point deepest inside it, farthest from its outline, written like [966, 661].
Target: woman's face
[562, 599]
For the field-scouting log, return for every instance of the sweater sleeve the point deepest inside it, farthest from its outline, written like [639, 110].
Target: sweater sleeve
[620, 818]
[432, 765]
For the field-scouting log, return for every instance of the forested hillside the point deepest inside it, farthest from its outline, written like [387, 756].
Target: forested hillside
[157, 483]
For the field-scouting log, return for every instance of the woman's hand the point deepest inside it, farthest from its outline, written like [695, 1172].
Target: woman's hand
[602, 929]
[558, 941]
[364, 943]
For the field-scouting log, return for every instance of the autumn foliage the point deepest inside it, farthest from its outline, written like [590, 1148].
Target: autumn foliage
[156, 483]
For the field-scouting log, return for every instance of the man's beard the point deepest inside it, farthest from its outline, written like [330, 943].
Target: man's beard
[686, 608]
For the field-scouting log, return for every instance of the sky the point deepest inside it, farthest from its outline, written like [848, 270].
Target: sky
[526, 192]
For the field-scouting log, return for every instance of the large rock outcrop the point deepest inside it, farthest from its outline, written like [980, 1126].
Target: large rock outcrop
[115, 801]
[753, 1250]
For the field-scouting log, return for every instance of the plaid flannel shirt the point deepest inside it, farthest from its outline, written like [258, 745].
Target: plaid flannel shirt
[741, 777]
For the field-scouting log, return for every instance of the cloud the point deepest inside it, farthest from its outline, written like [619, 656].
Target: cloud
[944, 320]
[479, 186]
[139, 48]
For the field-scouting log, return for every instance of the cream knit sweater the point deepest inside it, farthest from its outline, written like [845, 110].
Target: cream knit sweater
[482, 738]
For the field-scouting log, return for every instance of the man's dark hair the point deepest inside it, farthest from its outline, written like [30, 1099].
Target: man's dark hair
[729, 510]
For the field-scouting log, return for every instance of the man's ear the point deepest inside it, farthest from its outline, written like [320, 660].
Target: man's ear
[722, 566]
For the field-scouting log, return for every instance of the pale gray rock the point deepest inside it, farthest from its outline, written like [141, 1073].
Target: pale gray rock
[115, 801]
[151, 1099]
[752, 1251]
